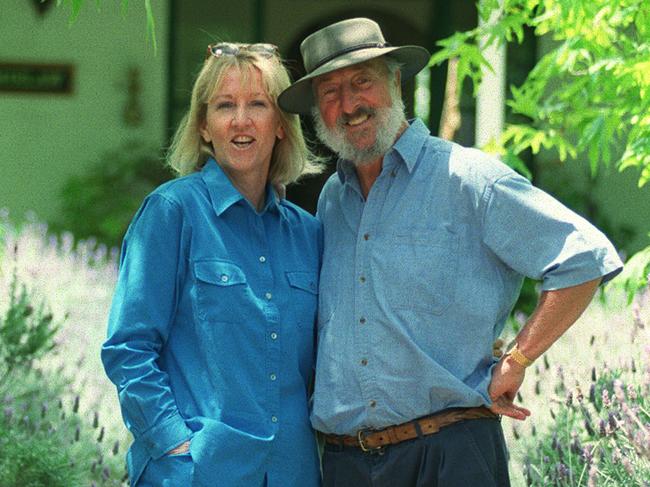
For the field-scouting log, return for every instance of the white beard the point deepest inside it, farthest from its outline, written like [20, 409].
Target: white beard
[389, 122]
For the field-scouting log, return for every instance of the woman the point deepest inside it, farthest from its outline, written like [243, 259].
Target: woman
[210, 335]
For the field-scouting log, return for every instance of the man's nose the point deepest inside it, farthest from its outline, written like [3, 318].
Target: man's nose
[349, 100]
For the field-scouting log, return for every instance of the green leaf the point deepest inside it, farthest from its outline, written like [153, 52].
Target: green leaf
[512, 160]
[634, 276]
[151, 25]
[76, 8]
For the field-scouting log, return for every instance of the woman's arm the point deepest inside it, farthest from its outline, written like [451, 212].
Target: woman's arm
[142, 312]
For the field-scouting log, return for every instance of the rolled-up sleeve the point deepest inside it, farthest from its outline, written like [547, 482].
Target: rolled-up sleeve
[141, 315]
[537, 236]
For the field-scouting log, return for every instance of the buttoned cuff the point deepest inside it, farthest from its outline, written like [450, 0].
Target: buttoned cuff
[166, 436]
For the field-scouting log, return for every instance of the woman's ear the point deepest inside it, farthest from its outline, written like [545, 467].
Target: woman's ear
[280, 133]
[205, 134]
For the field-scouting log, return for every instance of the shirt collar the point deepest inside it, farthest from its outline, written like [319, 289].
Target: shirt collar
[410, 143]
[408, 146]
[223, 193]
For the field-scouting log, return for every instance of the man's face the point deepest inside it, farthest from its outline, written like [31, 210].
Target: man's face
[358, 111]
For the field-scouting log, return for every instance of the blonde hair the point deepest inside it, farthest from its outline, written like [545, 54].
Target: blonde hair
[291, 158]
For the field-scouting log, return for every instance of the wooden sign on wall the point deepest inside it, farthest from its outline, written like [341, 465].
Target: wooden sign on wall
[36, 78]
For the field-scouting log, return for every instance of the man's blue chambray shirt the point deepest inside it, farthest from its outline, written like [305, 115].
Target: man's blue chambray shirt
[211, 333]
[417, 281]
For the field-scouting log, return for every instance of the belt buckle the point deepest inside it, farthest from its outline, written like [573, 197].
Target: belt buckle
[364, 448]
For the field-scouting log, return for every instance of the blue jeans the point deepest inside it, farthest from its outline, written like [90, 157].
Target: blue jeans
[470, 453]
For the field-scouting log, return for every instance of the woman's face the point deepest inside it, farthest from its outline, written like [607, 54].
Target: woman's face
[242, 124]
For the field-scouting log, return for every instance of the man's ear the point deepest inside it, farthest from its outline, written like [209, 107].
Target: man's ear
[398, 82]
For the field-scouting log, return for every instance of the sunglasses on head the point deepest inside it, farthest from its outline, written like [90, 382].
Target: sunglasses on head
[231, 49]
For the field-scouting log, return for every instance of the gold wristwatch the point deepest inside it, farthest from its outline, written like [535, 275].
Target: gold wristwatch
[519, 357]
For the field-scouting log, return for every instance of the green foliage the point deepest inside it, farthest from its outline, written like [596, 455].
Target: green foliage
[635, 275]
[589, 94]
[46, 442]
[102, 202]
[26, 333]
[77, 5]
[44, 439]
[34, 460]
[601, 439]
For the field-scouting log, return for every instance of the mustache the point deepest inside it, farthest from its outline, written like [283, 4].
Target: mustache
[345, 118]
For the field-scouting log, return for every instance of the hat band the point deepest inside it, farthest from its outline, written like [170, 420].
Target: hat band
[358, 47]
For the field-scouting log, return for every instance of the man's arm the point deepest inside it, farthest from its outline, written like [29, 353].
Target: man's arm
[556, 311]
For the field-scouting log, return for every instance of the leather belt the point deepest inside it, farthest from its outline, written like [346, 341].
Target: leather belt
[369, 440]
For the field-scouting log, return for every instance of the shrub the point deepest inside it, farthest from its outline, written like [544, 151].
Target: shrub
[591, 423]
[26, 334]
[600, 437]
[101, 202]
[78, 282]
[45, 443]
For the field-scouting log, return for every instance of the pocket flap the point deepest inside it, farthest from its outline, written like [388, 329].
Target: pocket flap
[219, 272]
[307, 281]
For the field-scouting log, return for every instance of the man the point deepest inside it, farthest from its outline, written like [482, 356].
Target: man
[426, 245]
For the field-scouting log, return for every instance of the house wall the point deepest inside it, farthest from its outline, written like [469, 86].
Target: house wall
[45, 138]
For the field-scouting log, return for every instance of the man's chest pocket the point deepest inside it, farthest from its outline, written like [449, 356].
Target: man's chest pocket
[303, 296]
[417, 269]
[221, 291]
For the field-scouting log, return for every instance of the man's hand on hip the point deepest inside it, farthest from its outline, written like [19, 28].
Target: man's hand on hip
[507, 377]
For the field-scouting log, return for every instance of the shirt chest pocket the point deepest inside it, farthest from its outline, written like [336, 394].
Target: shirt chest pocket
[221, 291]
[417, 270]
[303, 298]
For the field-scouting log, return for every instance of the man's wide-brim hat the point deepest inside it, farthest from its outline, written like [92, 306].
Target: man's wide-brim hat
[341, 45]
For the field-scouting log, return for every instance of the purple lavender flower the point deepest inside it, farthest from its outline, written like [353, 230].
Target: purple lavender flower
[602, 428]
[592, 393]
[587, 455]
[569, 399]
[607, 403]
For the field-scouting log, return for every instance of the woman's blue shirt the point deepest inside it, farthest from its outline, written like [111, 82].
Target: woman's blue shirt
[211, 333]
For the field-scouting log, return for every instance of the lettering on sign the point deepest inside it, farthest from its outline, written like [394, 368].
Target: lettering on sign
[36, 78]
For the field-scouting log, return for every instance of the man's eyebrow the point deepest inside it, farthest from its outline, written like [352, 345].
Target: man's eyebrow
[322, 79]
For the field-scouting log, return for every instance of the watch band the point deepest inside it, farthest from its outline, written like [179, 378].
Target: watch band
[519, 357]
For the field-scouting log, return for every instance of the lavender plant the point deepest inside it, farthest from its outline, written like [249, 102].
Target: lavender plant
[62, 438]
[591, 414]
[599, 439]
[46, 442]
[78, 282]
[26, 333]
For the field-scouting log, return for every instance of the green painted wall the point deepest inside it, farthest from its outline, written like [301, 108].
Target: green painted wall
[44, 138]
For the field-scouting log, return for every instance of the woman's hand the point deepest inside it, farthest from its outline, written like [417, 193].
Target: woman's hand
[180, 449]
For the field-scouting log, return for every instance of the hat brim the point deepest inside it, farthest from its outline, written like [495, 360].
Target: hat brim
[299, 97]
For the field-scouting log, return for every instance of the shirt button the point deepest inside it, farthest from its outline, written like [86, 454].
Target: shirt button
[268, 296]
[372, 403]
[273, 376]
[262, 259]
[274, 336]
[364, 361]
[362, 321]
[274, 419]
[393, 173]
[362, 279]
[366, 236]
[224, 278]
